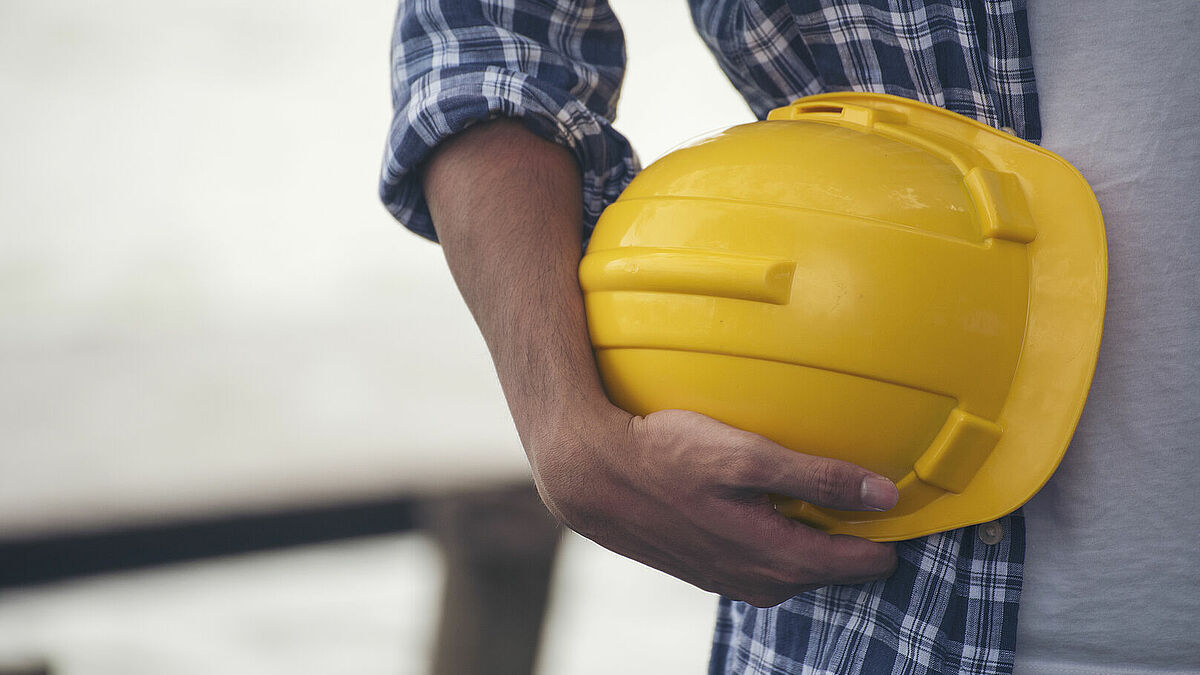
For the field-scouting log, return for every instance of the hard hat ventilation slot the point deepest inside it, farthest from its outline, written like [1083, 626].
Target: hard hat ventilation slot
[830, 109]
[826, 112]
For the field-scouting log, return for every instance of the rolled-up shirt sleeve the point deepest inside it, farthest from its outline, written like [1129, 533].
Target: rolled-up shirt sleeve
[555, 66]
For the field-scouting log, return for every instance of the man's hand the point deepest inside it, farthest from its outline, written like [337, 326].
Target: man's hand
[686, 494]
[676, 490]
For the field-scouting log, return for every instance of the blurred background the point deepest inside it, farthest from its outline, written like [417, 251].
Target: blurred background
[246, 423]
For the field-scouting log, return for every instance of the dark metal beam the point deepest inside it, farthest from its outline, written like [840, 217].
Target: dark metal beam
[35, 560]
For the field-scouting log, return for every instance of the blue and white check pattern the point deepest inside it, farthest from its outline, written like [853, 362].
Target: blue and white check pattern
[557, 66]
[971, 57]
[951, 607]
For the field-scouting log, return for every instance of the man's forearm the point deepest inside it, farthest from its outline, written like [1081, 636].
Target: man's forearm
[507, 209]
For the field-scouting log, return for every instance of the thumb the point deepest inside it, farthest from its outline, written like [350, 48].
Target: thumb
[833, 483]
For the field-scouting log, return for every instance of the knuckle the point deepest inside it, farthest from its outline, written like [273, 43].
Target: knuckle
[832, 484]
[793, 575]
[761, 586]
[765, 599]
[760, 601]
[742, 464]
[867, 563]
[775, 586]
[885, 562]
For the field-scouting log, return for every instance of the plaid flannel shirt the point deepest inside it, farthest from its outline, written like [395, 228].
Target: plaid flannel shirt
[952, 605]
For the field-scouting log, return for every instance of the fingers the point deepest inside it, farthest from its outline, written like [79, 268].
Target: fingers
[800, 558]
[763, 465]
[789, 558]
[855, 561]
[696, 507]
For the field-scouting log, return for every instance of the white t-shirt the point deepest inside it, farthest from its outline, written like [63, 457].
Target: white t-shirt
[1112, 575]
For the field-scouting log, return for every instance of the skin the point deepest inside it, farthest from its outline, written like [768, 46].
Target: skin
[675, 490]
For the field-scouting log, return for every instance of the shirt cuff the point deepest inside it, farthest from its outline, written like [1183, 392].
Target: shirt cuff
[444, 103]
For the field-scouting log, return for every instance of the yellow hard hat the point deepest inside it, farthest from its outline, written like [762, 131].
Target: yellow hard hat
[868, 278]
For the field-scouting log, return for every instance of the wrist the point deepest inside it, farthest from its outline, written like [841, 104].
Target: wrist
[575, 412]
[570, 454]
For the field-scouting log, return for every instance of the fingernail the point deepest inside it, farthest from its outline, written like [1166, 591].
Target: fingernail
[879, 493]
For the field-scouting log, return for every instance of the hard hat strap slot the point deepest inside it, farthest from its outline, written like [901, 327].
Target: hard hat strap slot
[958, 451]
[1003, 211]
